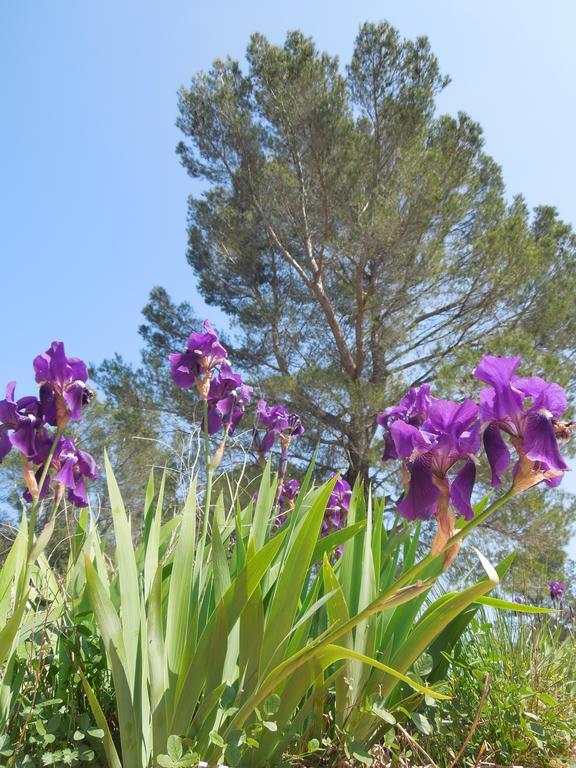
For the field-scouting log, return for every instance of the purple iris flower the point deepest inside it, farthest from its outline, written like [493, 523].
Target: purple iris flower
[338, 506]
[557, 589]
[286, 497]
[63, 388]
[288, 493]
[203, 353]
[277, 420]
[227, 399]
[527, 409]
[413, 409]
[42, 446]
[449, 435]
[20, 424]
[74, 467]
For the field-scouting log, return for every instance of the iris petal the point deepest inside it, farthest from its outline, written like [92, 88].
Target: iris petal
[5, 445]
[497, 453]
[551, 397]
[420, 501]
[58, 363]
[74, 395]
[498, 372]
[183, 370]
[214, 421]
[406, 438]
[461, 489]
[87, 465]
[540, 441]
[65, 474]
[24, 438]
[77, 495]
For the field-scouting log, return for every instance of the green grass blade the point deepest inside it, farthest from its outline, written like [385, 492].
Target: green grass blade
[329, 543]
[182, 598]
[333, 653]
[192, 679]
[152, 532]
[507, 605]
[148, 508]
[10, 630]
[101, 722]
[157, 667]
[337, 611]
[365, 633]
[220, 569]
[290, 581]
[264, 507]
[14, 570]
[127, 573]
[129, 717]
[42, 541]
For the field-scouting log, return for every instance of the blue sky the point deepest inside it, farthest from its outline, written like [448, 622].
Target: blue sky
[92, 198]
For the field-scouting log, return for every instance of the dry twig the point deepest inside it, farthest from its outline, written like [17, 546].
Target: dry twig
[487, 682]
[414, 743]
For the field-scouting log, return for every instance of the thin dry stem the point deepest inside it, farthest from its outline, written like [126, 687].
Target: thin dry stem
[476, 721]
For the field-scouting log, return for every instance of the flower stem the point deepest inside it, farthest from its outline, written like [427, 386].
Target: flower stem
[209, 475]
[461, 534]
[36, 501]
[282, 466]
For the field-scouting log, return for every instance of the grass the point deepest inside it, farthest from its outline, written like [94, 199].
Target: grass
[527, 668]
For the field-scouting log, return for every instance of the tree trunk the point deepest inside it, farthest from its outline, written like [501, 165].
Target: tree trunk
[358, 464]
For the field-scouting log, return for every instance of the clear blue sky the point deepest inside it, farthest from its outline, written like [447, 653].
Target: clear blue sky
[92, 198]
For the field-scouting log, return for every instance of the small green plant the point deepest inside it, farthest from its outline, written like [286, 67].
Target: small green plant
[528, 670]
[54, 737]
[179, 754]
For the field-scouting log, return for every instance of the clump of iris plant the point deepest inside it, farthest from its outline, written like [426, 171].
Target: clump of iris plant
[527, 410]
[557, 589]
[34, 426]
[437, 440]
